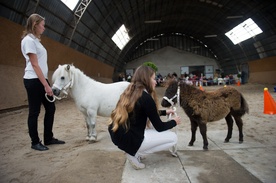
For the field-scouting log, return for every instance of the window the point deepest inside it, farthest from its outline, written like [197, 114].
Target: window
[70, 3]
[243, 31]
[121, 37]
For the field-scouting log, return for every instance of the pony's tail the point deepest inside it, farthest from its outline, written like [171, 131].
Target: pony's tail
[244, 105]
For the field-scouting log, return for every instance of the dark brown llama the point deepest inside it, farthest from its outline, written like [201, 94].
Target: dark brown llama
[202, 107]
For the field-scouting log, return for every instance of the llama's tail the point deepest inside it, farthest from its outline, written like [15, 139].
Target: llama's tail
[244, 105]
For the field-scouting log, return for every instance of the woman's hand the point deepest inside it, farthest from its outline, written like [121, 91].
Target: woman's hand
[177, 119]
[170, 111]
[48, 90]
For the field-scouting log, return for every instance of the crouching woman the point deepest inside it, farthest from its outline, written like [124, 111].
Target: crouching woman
[137, 105]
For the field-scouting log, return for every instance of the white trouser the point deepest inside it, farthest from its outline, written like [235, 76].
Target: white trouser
[155, 141]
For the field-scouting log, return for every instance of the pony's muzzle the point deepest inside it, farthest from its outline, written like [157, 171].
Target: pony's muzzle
[56, 91]
[165, 103]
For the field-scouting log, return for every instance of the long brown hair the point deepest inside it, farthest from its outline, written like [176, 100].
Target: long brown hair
[140, 81]
[32, 21]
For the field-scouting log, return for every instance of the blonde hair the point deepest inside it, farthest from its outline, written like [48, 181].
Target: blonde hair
[141, 80]
[32, 21]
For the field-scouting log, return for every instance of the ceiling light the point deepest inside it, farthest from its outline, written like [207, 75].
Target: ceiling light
[153, 39]
[213, 35]
[152, 21]
[233, 17]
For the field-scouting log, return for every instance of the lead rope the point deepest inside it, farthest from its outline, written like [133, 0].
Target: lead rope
[54, 98]
[173, 150]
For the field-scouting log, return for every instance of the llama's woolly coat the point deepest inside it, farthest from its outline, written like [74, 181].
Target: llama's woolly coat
[209, 106]
[206, 104]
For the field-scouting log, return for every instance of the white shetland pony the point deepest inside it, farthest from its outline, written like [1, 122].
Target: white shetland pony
[91, 97]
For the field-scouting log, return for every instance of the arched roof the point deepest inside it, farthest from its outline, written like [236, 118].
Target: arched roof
[184, 25]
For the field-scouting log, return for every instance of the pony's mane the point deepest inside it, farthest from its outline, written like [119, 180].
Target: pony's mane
[72, 68]
[189, 89]
[170, 82]
[80, 72]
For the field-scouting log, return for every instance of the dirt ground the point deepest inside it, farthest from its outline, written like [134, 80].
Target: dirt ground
[100, 162]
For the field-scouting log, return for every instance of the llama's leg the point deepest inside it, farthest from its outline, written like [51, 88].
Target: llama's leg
[229, 122]
[239, 123]
[203, 131]
[193, 130]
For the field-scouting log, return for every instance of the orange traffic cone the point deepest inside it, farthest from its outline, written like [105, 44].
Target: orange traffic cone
[269, 103]
[239, 83]
[200, 87]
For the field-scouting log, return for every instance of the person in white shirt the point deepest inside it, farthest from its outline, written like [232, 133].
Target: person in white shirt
[37, 84]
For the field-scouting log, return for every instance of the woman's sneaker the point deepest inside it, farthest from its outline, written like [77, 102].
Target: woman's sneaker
[173, 151]
[140, 158]
[135, 162]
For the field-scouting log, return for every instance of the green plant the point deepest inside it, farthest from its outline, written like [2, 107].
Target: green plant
[152, 65]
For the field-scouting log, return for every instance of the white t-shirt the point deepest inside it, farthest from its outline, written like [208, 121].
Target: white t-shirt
[30, 44]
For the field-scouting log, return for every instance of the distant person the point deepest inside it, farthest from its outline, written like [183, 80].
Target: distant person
[159, 79]
[37, 84]
[174, 76]
[186, 75]
[129, 77]
[120, 77]
[169, 76]
[135, 108]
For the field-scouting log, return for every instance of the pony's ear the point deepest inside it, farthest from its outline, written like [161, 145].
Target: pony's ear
[169, 82]
[67, 68]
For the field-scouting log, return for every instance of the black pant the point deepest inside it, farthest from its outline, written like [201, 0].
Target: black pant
[36, 97]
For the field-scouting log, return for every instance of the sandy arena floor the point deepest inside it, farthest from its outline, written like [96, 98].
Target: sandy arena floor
[101, 162]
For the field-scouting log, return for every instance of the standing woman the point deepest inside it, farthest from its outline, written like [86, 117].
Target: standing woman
[137, 106]
[36, 82]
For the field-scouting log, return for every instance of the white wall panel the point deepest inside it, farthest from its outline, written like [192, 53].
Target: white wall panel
[169, 60]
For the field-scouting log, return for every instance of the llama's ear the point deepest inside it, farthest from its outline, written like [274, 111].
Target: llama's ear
[68, 67]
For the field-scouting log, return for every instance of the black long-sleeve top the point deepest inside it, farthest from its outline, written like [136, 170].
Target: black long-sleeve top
[130, 140]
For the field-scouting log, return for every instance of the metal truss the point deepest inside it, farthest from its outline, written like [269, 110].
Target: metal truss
[78, 14]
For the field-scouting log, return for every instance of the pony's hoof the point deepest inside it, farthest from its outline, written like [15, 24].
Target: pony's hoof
[226, 141]
[205, 148]
[240, 142]
[92, 139]
[190, 144]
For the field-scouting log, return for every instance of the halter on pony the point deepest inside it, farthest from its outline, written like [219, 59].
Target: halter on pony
[64, 89]
[171, 99]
